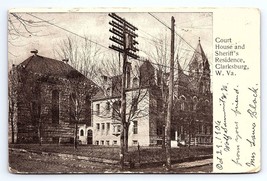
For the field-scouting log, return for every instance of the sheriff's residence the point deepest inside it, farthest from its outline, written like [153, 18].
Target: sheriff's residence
[52, 102]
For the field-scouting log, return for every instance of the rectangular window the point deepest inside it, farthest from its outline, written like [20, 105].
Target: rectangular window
[199, 129]
[135, 142]
[108, 127]
[135, 127]
[114, 128]
[114, 142]
[97, 109]
[103, 126]
[119, 128]
[134, 104]
[97, 142]
[108, 106]
[107, 142]
[202, 129]
[102, 142]
[97, 126]
[208, 130]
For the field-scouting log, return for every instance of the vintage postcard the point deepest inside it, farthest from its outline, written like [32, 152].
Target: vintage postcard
[134, 90]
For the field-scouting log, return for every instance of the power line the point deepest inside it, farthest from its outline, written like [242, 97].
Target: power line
[159, 20]
[96, 42]
[176, 34]
[68, 31]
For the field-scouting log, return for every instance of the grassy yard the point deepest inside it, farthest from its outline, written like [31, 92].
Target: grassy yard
[147, 154]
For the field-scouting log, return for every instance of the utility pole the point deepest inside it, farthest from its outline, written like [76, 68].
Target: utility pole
[124, 36]
[170, 101]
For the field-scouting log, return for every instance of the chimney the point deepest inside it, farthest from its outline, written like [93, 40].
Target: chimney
[66, 60]
[35, 51]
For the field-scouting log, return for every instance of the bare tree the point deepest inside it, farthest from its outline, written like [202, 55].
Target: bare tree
[81, 90]
[21, 25]
[12, 99]
[30, 98]
[83, 55]
[136, 94]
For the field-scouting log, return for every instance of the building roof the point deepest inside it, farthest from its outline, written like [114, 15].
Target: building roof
[198, 57]
[51, 67]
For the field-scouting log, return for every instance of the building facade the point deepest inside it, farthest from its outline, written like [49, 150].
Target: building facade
[48, 101]
[139, 98]
[192, 111]
[192, 121]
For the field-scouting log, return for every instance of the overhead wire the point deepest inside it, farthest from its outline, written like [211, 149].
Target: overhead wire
[87, 39]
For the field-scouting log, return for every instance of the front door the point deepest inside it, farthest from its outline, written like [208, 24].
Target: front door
[90, 137]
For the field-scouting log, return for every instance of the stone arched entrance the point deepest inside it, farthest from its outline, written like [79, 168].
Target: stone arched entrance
[89, 137]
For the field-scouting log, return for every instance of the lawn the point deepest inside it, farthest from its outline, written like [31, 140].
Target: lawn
[146, 154]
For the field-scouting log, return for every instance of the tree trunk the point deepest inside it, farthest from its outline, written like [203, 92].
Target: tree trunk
[75, 136]
[126, 135]
[163, 136]
[39, 132]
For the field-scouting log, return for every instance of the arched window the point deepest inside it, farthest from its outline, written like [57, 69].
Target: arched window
[202, 88]
[36, 104]
[135, 82]
[55, 106]
[182, 99]
[109, 91]
[81, 132]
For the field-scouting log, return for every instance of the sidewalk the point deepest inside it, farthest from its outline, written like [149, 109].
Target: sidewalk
[197, 163]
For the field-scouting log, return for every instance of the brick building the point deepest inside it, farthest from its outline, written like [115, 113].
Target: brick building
[47, 99]
[193, 107]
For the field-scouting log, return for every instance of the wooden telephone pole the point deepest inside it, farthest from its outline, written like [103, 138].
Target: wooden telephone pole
[170, 101]
[124, 36]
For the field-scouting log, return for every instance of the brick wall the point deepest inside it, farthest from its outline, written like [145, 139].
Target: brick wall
[50, 132]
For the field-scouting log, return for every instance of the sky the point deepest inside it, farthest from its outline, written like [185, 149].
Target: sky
[190, 26]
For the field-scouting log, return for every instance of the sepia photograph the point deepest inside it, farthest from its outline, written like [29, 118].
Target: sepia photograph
[110, 92]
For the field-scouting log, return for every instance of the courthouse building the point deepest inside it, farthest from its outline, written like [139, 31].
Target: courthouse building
[47, 98]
